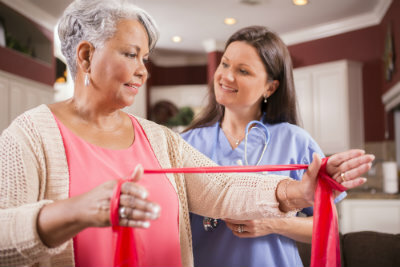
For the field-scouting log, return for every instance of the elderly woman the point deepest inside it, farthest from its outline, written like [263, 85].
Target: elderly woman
[59, 163]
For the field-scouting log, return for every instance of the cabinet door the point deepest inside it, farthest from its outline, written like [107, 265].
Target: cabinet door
[331, 109]
[18, 99]
[25, 95]
[4, 104]
[381, 215]
[330, 104]
[305, 100]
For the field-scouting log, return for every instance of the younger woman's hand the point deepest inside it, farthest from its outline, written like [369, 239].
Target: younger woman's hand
[250, 228]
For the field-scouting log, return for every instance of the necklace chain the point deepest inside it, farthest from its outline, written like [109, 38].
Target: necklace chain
[236, 140]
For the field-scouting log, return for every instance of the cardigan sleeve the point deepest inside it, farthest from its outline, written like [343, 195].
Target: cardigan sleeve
[229, 195]
[21, 183]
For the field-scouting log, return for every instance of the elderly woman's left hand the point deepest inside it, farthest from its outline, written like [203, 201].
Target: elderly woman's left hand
[346, 167]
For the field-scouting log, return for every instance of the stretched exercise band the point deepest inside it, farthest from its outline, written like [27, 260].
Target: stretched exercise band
[325, 249]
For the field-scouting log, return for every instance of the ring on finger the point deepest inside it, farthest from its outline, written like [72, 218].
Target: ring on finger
[240, 228]
[342, 175]
[122, 213]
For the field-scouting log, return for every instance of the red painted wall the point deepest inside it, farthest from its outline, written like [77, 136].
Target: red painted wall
[178, 75]
[367, 46]
[213, 60]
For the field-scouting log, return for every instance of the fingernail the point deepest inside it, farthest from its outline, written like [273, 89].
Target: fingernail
[143, 195]
[136, 169]
[155, 209]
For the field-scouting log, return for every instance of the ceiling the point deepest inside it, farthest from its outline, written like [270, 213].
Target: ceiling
[202, 20]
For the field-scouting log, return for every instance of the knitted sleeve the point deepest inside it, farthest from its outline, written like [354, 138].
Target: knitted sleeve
[21, 187]
[229, 195]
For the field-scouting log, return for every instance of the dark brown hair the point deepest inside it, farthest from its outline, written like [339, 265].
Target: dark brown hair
[282, 104]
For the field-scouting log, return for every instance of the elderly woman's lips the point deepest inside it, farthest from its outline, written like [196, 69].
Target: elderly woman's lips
[133, 87]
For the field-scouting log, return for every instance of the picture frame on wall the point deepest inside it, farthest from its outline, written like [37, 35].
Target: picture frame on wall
[388, 56]
[2, 33]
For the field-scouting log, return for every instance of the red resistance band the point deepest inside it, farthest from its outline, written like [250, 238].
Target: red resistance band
[325, 239]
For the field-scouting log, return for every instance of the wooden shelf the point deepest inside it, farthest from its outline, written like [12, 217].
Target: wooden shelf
[23, 65]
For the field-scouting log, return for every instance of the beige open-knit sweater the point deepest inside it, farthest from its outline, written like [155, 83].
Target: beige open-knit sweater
[34, 172]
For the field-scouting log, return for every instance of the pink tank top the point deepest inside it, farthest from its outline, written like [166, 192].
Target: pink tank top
[91, 165]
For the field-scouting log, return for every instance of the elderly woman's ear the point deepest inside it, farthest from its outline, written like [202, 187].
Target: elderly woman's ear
[84, 52]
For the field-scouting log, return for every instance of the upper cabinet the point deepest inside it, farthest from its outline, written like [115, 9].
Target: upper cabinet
[27, 65]
[331, 104]
[28, 51]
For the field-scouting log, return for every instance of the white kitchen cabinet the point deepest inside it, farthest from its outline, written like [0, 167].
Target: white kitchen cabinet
[20, 94]
[381, 215]
[4, 99]
[331, 105]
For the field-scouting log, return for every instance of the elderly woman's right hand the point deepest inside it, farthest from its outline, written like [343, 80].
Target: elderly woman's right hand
[62, 220]
[135, 210]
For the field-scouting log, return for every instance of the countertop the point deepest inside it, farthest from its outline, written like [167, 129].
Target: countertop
[370, 195]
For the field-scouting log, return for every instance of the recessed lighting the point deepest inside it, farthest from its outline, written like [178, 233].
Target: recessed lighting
[229, 21]
[176, 39]
[300, 2]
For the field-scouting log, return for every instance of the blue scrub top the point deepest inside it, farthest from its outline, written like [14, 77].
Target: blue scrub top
[286, 144]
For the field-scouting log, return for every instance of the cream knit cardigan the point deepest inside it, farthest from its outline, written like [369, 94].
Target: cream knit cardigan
[34, 172]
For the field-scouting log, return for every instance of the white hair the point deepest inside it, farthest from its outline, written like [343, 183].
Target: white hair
[95, 21]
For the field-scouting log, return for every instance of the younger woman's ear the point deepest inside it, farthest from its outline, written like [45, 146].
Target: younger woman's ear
[271, 87]
[84, 52]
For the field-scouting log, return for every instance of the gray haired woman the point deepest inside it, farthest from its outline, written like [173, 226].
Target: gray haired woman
[60, 163]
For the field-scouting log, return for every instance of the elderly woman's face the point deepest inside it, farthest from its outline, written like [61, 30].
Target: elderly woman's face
[117, 69]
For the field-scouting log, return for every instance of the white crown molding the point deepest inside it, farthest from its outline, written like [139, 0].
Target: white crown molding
[391, 98]
[338, 26]
[212, 45]
[32, 12]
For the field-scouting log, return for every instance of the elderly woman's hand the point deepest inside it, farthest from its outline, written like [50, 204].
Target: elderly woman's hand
[345, 168]
[62, 220]
[134, 211]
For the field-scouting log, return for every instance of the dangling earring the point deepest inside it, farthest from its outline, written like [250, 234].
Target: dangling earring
[87, 79]
[265, 99]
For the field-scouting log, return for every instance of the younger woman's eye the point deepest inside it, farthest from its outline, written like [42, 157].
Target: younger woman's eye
[225, 65]
[242, 71]
[145, 60]
[131, 55]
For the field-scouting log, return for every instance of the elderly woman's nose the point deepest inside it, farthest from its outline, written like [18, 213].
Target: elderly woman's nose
[141, 70]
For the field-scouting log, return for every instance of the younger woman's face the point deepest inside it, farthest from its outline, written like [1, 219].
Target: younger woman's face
[240, 80]
[117, 68]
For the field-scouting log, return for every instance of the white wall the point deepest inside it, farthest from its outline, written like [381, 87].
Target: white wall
[194, 96]
[138, 107]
